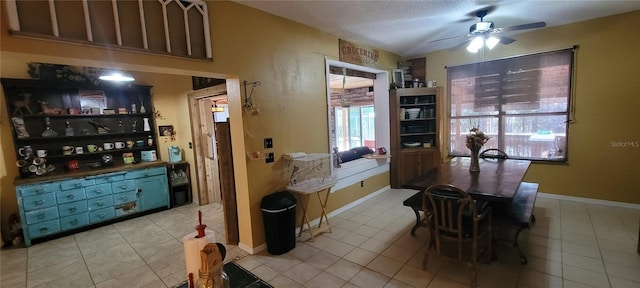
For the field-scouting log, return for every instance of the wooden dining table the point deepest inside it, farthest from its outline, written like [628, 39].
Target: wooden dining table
[497, 181]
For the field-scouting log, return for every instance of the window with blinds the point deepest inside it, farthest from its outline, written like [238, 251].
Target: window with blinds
[522, 103]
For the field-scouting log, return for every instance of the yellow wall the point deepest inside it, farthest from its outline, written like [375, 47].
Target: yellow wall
[286, 57]
[606, 104]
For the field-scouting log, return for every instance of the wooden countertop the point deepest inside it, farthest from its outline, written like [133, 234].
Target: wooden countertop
[83, 172]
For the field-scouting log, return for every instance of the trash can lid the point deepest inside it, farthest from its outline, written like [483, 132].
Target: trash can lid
[278, 200]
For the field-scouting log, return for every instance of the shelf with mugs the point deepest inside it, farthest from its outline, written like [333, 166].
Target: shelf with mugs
[141, 115]
[88, 136]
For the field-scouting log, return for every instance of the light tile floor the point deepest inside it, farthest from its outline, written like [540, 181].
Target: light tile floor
[572, 244]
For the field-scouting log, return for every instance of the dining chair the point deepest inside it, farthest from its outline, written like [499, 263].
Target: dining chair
[493, 153]
[460, 227]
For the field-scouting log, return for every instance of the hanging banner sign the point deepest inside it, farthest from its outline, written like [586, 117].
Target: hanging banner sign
[357, 54]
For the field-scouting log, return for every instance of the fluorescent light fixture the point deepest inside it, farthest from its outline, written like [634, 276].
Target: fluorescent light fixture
[492, 42]
[117, 77]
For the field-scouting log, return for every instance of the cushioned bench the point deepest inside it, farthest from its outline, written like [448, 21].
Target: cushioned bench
[510, 220]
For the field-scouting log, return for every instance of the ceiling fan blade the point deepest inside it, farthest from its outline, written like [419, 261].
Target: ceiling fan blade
[523, 27]
[506, 40]
[446, 38]
[454, 48]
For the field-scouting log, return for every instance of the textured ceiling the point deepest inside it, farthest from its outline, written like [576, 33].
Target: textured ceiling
[407, 27]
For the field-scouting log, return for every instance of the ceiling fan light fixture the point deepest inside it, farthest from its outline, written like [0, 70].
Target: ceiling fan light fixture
[475, 44]
[492, 42]
[215, 108]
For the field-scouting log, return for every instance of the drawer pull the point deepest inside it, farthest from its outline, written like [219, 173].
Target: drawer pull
[109, 179]
[41, 215]
[146, 174]
[100, 203]
[74, 222]
[101, 215]
[124, 198]
[78, 184]
[70, 196]
[72, 209]
[99, 191]
[40, 190]
[44, 229]
[123, 187]
[39, 202]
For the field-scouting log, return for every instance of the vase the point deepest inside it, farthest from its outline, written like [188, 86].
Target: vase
[475, 164]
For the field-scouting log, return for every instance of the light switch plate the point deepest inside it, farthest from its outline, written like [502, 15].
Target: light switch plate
[270, 158]
[268, 143]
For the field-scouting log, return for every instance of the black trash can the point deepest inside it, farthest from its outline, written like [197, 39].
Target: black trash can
[279, 214]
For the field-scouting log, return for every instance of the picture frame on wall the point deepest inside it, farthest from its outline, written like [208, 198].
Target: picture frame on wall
[398, 78]
[165, 130]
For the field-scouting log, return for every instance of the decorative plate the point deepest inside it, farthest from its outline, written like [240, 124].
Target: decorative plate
[411, 144]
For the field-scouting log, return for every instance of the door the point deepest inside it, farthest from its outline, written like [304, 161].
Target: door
[227, 181]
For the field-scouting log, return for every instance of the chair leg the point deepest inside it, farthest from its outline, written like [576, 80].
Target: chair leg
[474, 274]
[426, 253]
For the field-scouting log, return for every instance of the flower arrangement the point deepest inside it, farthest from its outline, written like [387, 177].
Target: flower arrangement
[476, 139]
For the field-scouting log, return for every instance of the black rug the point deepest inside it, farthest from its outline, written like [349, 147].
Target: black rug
[238, 278]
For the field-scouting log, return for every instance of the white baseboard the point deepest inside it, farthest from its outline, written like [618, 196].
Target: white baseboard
[252, 251]
[590, 201]
[315, 222]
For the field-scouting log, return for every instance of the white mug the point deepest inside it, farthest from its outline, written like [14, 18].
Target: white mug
[79, 150]
[41, 153]
[120, 145]
[108, 146]
[429, 83]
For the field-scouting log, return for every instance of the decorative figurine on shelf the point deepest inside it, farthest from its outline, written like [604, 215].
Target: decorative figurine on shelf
[19, 105]
[133, 124]
[68, 130]
[44, 109]
[142, 109]
[48, 132]
[100, 128]
[120, 127]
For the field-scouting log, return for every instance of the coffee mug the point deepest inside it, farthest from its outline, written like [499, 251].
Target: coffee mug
[130, 144]
[139, 143]
[39, 161]
[79, 150]
[26, 151]
[67, 150]
[119, 145]
[108, 146]
[92, 148]
[41, 153]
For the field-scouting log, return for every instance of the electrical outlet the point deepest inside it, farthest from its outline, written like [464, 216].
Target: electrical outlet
[270, 158]
[361, 183]
[268, 143]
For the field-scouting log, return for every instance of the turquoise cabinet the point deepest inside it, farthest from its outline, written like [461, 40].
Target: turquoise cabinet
[54, 206]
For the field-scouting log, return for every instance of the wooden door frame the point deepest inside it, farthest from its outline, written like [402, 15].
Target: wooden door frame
[195, 107]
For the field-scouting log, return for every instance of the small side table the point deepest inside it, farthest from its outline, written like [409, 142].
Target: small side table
[305, 193]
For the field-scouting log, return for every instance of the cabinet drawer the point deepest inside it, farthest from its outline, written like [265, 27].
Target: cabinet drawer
[124, 186]
[42, 215]
[38, 202]
[101, 215]
[109, 178]
[76, 183]
[98, 190]
[100, 202]
[120, 198]
[44, 228]
[38, 189]
[126, 208]
[72, 208]
[146, 172]
[67, 196]
[74, 221]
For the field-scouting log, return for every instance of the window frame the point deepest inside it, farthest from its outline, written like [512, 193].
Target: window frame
[500, 114]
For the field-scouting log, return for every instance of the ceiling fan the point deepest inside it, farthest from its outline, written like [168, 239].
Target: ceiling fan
[485, 33]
